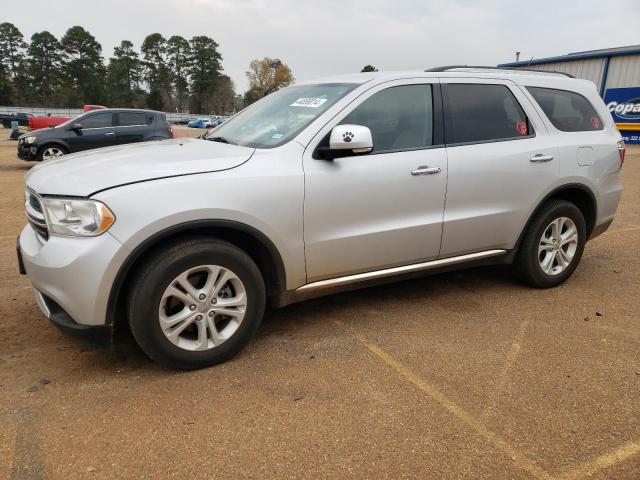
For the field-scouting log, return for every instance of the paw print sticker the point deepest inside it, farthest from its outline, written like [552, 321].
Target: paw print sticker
[347, 136]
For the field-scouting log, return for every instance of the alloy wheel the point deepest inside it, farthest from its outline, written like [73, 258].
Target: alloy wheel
[202, 307]
[52, 152]
[558, 246]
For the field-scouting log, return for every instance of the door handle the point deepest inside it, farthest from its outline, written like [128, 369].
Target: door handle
[425, 170]
[540, 158]
[110, 133]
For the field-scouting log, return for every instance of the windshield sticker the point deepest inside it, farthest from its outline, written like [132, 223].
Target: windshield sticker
[277, 136]
[308, 102]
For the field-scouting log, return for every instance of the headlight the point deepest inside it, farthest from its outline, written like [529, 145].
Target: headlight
[77, 217]
[29, 140]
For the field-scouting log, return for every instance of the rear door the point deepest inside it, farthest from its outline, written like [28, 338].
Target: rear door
[501, 159]
[97, 131]
[134, 126]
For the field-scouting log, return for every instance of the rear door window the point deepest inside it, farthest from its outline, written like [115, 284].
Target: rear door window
[98, 120]
[476, 113]
[567, 111]
[127, 119]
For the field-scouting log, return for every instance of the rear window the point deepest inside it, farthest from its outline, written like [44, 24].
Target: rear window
[126, 119]
[567, 111]
[476, 113]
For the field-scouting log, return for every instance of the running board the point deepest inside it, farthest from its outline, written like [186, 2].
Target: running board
[388, 272]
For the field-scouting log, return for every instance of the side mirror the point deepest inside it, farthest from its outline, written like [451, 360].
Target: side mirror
[350, 140]
[75, 126]
[345, 141]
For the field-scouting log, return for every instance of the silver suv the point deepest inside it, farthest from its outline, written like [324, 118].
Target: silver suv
[324, 186]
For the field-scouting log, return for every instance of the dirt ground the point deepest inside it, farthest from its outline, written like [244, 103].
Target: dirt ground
[461, 375]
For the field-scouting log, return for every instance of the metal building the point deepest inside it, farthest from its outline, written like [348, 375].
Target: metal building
[616, 73]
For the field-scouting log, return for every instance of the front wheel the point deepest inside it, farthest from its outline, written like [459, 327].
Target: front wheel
[552, 246]
[196, 303]
[51, 151]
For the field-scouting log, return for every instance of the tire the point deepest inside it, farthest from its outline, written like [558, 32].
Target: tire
[50, 148]
[540, 263]
[152, 301]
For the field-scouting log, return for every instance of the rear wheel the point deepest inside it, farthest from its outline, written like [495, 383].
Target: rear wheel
[196, 303]
[552, 246]
[51, 151]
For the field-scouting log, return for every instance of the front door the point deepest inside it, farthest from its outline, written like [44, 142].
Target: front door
[383, 209]
[97, 131]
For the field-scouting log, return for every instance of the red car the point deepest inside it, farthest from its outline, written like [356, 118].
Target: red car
[36, 123]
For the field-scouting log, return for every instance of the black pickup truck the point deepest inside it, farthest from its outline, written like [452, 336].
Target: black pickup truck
[22, 118]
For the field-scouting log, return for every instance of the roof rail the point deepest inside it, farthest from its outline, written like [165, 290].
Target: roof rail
[453, 67]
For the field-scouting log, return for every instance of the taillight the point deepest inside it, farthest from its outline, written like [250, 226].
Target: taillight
[173, 135]
[621, 151]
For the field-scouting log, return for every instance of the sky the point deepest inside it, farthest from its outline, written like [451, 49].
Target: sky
[318, 38]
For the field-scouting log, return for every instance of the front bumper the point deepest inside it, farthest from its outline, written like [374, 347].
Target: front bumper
[94, 336]
[27, 152]
[72, 278]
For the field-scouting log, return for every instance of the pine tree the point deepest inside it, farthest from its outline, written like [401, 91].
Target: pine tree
[43, 68]
[179, 57]
[205, 70]
[124, 77]
[84, 71]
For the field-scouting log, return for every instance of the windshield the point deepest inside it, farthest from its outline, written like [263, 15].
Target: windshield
[279, 117]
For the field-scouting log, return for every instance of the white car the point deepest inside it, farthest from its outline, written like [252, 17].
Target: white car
[320, 187]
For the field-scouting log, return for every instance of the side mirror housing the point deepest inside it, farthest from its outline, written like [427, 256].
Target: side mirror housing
[346, 141]
[75, 126]
[356, 138]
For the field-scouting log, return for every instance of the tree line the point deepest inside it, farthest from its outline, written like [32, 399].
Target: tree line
[170, 74]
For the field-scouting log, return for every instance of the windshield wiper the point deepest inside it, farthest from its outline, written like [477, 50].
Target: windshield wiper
[220, 139]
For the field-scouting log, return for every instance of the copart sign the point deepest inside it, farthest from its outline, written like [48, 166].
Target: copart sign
[624, 105]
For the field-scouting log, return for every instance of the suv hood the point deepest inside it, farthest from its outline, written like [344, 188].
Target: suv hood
[85, 173]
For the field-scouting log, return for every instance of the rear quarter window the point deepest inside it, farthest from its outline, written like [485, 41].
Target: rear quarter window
[567, 111]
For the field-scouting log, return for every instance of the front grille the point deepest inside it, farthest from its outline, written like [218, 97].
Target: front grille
[35, 214]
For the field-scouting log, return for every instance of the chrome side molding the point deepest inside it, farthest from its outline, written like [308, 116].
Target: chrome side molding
[388, 272]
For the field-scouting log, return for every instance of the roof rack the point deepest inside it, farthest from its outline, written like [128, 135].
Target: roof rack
[453, 67]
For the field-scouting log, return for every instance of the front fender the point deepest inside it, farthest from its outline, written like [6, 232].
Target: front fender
[272, 206]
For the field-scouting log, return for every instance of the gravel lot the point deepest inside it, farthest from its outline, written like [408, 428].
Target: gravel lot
[461, 375]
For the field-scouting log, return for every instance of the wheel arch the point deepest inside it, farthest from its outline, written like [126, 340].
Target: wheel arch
[255, 243]
[578, 194]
